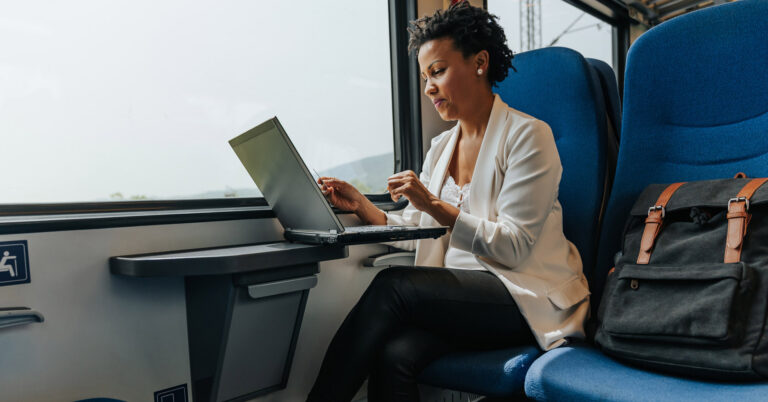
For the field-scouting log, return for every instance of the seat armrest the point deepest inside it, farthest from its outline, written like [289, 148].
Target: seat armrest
[390, 259]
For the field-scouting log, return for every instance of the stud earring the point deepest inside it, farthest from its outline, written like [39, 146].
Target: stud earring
[479, 71]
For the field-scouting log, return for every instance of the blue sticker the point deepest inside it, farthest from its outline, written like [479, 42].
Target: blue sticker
[173, 394]
[14, 262]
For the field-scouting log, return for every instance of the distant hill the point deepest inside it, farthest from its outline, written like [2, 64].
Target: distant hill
[369, 175]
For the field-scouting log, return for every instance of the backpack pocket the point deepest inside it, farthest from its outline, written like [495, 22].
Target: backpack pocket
[693, 304]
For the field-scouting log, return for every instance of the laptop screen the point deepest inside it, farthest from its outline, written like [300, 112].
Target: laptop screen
[277, 169]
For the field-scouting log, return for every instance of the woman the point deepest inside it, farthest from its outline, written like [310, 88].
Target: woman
[511, 276]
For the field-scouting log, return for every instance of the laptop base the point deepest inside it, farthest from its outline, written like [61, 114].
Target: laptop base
[350, 237]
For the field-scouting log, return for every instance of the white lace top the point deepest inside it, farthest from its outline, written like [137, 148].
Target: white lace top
[458, 197]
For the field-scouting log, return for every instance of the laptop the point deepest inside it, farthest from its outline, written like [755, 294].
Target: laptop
[295, 197]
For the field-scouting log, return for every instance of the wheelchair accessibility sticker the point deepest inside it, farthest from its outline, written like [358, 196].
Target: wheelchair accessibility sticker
[14, 268]
[174, 394]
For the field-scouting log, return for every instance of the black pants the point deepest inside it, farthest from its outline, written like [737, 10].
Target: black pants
[407, 318]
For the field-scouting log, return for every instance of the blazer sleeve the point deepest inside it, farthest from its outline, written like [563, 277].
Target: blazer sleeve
[527, 196]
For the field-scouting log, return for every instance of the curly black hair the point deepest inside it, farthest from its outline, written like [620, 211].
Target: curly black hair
[472, 29]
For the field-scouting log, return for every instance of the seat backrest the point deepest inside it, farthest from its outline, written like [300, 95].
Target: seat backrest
[695, 108]
[610, 93]
[610, 89]
[557, 85]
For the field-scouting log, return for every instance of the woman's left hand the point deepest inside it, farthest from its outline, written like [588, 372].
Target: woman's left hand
[407, 184]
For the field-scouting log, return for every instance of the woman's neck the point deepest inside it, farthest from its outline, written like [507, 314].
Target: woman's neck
[475, 123]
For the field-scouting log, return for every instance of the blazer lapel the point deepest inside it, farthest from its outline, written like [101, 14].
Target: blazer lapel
[485, 167]
[431, 252]
[441, 167]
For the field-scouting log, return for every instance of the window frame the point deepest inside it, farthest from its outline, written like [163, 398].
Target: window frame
[406, 89]
[43, 217]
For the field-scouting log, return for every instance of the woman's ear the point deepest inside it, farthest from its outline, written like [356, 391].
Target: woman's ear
[481, 60]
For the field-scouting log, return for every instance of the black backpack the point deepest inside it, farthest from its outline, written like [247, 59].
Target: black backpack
[689, 291]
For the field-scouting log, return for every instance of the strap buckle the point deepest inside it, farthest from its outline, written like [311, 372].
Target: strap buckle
[658, 208]
[737, 199]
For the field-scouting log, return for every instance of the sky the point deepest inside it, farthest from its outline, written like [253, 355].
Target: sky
[140, 97]
[589, 36]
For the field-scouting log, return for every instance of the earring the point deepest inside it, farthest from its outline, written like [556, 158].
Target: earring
[479, 71]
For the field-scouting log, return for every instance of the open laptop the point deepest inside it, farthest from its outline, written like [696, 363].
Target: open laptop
[272, 161]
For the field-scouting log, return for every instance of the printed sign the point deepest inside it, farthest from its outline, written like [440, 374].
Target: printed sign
[14, 263]
[173, 394]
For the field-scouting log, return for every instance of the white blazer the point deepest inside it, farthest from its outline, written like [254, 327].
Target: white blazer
[514, 225]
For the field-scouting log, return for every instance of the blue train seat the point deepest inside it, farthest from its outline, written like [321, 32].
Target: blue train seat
[610, 89]
[610, 93]
[558, 86]
[497, 373]
[581, 373]
[695, 108]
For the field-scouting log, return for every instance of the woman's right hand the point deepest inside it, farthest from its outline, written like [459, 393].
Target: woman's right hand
[341, 194]
[346, 197]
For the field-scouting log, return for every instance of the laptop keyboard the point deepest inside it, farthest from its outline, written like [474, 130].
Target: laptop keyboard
[372, 229]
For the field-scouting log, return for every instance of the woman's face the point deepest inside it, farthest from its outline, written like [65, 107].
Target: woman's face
[451, 81]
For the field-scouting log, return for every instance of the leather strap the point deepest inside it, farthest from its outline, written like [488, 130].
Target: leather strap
[738, 219]
[653, 223]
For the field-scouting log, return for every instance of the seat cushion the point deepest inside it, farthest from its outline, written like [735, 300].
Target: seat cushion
[581, 373]
[490, 373]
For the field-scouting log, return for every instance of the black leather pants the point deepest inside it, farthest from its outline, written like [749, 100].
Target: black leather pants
[407, 318]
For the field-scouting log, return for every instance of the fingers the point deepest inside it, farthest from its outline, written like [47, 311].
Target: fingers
[392, 194]
[339, 192]
[330, 182]
[333, 196]
[326, 179]
[396, 188]
[399, 180]
[396, 192]
[321, 180]
[403, 174]
[407, 184]
[391, 183]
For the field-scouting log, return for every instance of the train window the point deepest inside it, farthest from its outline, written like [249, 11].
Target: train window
[132, 100]
[532, 24]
